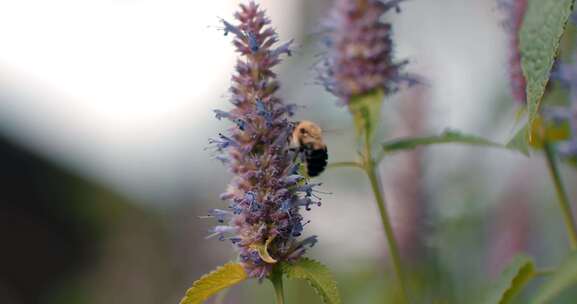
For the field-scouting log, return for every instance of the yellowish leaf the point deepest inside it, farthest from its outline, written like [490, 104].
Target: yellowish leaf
[209, 284]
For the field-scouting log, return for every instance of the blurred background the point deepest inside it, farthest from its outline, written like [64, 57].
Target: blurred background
[106, 108]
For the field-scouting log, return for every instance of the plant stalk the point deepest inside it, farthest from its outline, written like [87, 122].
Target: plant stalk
[561, 195]
[371, 168]
[278, 288]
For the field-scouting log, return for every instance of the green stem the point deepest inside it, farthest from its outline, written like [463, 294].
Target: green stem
[371, 168]
[561, 195]
[380, 155]
[276, 280]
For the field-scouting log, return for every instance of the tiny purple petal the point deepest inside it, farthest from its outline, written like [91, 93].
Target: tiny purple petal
[221, 114]
[229, 28]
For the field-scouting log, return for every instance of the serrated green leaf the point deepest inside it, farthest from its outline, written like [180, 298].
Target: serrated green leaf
[447, 137]
[518, 273]
[317, 275]
[366, 111]
[209, 284]
[540, 36]
[565, 276]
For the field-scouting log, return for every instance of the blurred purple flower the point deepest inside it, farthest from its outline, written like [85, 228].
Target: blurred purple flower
[515, 12]
[359, 55]
[265, 195]
[566, 74]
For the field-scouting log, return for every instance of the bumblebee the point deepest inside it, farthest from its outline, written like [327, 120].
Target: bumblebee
[308, 141]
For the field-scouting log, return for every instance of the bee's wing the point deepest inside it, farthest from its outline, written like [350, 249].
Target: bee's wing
[334, 131]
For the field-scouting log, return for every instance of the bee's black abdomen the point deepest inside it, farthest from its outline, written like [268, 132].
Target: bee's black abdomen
[316, 161]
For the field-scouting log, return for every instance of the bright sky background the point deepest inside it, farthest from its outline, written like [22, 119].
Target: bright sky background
[122, 90]
[108, 86]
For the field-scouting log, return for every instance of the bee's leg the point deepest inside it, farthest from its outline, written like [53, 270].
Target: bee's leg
[295, 154]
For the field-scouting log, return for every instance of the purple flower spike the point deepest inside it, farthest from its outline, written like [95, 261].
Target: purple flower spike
[359, 57]
[515, 12]
[265, 195]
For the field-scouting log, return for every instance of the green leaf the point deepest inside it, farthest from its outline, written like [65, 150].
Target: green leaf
[520, 141]
[366, 111]
[518, 273]
[317, 275]
[565, 276]
[542, 131]
[209, 284]
[540, 36]
[447, 137]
